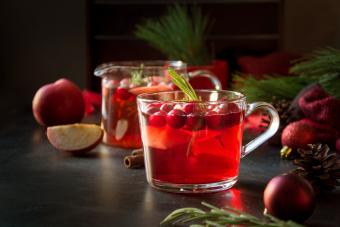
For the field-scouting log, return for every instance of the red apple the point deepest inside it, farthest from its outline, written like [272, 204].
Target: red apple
[75, 138]
[58, 103]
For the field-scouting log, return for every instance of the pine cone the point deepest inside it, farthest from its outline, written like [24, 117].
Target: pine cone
[285, 110]
[321, 169]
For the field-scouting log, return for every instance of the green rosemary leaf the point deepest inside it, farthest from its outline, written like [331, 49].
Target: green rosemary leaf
[184, 85]
[137, 75]
[217, 217]
[179, 213]
[214, 224]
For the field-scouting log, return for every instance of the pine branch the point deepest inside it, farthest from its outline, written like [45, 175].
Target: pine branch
[179, 34]
[331, 83]
[283, 87]
[221, 217]
[320, 62]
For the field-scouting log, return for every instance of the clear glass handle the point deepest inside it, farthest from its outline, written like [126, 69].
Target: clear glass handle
[207, 74]
[272, 128]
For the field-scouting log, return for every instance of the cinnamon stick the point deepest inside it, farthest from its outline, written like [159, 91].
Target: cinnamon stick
[138, 151]
[134, 161]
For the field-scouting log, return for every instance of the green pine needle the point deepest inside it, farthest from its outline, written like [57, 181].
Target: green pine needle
[282, 87]
[228, 216]
[184, 85]
[322, 66]
[179, 34]
[331, 83]
[320, 62]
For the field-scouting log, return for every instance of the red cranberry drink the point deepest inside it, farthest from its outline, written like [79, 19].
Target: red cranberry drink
[120, 118]
[190, 144]
[121, 83]
[193, 139]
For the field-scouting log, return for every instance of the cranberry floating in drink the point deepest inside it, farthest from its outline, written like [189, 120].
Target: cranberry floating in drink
[196, 145]
[121, 83]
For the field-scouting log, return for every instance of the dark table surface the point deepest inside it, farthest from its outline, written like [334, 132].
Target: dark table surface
[40, 186]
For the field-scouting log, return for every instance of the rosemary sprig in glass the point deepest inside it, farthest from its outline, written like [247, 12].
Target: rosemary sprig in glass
[191, 95]
[137, 75]
[184, 85]
[217, 217]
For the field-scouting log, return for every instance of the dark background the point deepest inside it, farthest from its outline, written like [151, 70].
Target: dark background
[42, 41]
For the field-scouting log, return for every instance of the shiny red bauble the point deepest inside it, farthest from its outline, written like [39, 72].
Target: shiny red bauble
[289, 197]
[298, 134]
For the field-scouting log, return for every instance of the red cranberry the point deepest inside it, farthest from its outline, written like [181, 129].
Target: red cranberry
[178, 106]
[167, 107]
[195, 121]
[176, 118]
[190, 108]
[152, 108]
[213, 120]
[112, 84]
[125, 82]
[123, 93]
[157, 119]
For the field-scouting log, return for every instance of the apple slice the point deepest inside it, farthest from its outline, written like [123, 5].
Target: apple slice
[75, 138]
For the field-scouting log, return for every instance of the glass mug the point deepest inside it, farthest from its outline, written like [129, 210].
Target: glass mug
[196, 147]
[122, 82]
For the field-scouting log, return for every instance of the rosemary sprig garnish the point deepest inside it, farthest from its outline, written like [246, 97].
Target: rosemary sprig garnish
[184, 85]
[137, 75]
[217, 217]
[191, 95]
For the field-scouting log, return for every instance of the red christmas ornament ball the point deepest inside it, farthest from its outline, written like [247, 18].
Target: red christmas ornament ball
[298, 134]
[289, 197]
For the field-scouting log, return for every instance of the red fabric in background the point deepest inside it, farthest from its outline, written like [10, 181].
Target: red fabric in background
[218, 67]
[320, 107]
[323, 113]
[274, 63]
[92, 101]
